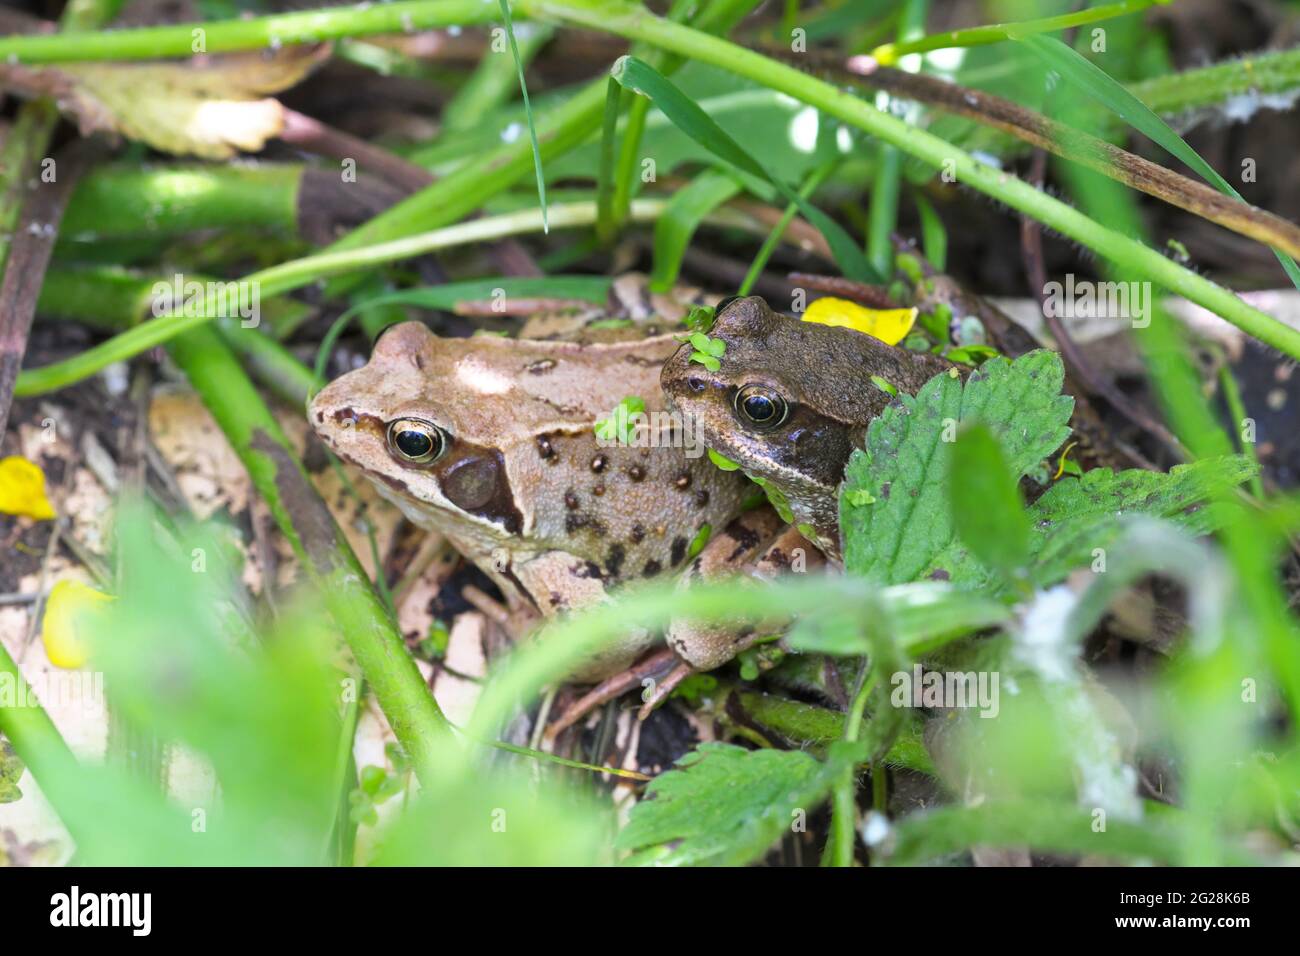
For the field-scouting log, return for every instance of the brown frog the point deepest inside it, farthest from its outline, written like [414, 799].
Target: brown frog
[492, 442]
[790, 401]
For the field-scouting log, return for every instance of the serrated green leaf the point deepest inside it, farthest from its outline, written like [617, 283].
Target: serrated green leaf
[722, 805]
[1022, 404]
[904, 469]
[1078, 515]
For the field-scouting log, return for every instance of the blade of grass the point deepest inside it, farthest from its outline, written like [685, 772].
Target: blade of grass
[1082, 73]
[489, 85]
[694, 122]
[815, 179]
[528, 112]
[605, 225]
[934, 237]
[594, 289]
[685, 211]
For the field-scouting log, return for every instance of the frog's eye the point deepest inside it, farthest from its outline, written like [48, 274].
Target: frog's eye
[761, 406]
[416, 441]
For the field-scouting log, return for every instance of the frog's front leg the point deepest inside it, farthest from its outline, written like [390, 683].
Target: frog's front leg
[692, 645]
[757, 545]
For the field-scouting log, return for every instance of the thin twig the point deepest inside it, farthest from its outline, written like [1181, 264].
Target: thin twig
[29, 254]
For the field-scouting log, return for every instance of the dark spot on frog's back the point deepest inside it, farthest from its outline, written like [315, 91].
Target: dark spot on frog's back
[652, 568]
[614, 560]
[678, 551]
[746, 538]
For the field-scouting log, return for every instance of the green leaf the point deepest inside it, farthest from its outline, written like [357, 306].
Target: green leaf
[906, 463]
[721, 462]
[723, 805]
[920, 616]
[619, 426]
[1081, 72]
[685, 212]
[1077, 515]
[639, 76]
[986, 507]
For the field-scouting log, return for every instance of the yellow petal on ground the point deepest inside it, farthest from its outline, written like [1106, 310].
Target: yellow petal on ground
[67, 609]
[889, 325]
[22, 489]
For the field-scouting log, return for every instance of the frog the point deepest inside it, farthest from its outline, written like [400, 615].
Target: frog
[493, 442]
[789, 401]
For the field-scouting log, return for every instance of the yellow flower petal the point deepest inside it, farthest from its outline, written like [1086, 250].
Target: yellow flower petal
[22, 489]
[889, 325]
[69, 605]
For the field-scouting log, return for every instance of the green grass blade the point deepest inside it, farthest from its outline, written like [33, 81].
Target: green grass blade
[815, 179]
[934, 237]
[694, 122]
[685, 212]
[1081, 72]
[528, 111]
[605, 171]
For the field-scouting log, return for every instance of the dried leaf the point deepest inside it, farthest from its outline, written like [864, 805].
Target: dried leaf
[211, 107]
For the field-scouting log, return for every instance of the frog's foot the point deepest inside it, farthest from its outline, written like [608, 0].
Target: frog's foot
[515, 622]
[615, 686]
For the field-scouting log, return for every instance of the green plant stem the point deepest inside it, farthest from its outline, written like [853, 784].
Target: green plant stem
[127, 201]
[28, 140]
[35, 738]
[882, 216]
[309, 26]
[321, 547]
[1266, 74]
[299, 272]
[819, 726]
[997, 32]
[112, 300]
[636, 23]
[844, 825]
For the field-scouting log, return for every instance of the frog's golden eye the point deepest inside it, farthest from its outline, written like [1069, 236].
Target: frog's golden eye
[761, 406]
[416, 441]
